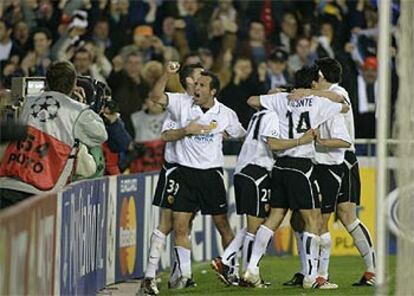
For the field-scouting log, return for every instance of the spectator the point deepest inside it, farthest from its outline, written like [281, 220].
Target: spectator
[147, 43]
[327, 46]
[121, 23]
[289, 32]
[54, 122]
[37, 61]
[21, 37]
[168, 31]
[82, 60]
[196, 15]
[129, 90]
[116, 147]
[191, 58]
[151, 72]
[148, 122]
[46, 15]
[277, 72]
[366, 97]
[100, 37]
[70, 40]
[225, 12]
[101, 67]
[147, 125]
[304, 55]
[8, 48]
[206, 57]
[243, 85]
[255, 47]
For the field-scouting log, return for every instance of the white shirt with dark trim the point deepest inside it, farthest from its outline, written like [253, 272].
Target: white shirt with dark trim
[169, 123]
[264, 124]
[296, 117]
[333, 128]
[349, 116]
[169, 150]
[204, 151]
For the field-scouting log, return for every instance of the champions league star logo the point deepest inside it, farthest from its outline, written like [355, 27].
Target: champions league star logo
[45, 108]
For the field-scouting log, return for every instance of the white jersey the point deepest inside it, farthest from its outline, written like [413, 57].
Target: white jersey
[349, 116]
[204, 151]
[333, 128]
[169, 149]
[171, 123]
[255, 151]
[296, 117]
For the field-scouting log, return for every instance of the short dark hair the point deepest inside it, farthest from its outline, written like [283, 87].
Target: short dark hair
[305, 76]
[331, 69]
[45, 31]
[214, 83]
[61, 77]
[82, 50]
[187, 71]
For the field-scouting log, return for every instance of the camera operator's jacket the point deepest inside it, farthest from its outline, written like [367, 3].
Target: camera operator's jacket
[44, 161]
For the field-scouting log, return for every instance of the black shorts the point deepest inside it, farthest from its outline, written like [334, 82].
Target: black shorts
[252, 190]
[200, 190]
[292, 185]
[166, 186]
[351, 182]
[328, 181]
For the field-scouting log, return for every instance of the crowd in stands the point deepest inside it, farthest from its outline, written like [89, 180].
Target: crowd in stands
[253, 46]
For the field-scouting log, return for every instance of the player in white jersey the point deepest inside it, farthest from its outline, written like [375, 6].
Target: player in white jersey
[332, 137]
[292, 179]
[200, 184]
[164, 191]
[252, 187]
[349, 199]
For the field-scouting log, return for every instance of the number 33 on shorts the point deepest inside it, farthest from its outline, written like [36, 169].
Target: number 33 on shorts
[172, 189]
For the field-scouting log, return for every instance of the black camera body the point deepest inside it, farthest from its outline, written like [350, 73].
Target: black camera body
[98, 94]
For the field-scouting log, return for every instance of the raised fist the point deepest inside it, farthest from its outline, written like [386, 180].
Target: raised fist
[172, 67]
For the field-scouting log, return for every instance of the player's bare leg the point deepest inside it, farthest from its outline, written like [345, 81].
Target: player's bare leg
[346, 212]
[223, 226]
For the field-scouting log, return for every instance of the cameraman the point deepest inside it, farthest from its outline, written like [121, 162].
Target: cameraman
[43, 162]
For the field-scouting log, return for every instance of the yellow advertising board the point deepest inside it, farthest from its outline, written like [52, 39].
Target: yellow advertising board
[342, 243]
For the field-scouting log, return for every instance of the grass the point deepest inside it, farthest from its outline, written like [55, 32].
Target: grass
[343, 271]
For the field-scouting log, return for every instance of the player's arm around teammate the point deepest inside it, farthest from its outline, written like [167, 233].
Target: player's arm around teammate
[254, 102]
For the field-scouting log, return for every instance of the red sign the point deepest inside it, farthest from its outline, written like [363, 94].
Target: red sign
[38, 160]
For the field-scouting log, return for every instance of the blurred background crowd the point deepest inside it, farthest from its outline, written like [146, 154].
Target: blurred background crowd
[254, 47]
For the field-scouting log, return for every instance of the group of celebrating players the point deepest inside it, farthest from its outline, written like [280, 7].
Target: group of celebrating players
[297, 154]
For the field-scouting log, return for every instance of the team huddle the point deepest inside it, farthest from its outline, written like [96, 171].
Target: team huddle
[297, 155]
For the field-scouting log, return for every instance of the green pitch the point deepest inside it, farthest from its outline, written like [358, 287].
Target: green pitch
[344, 271]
